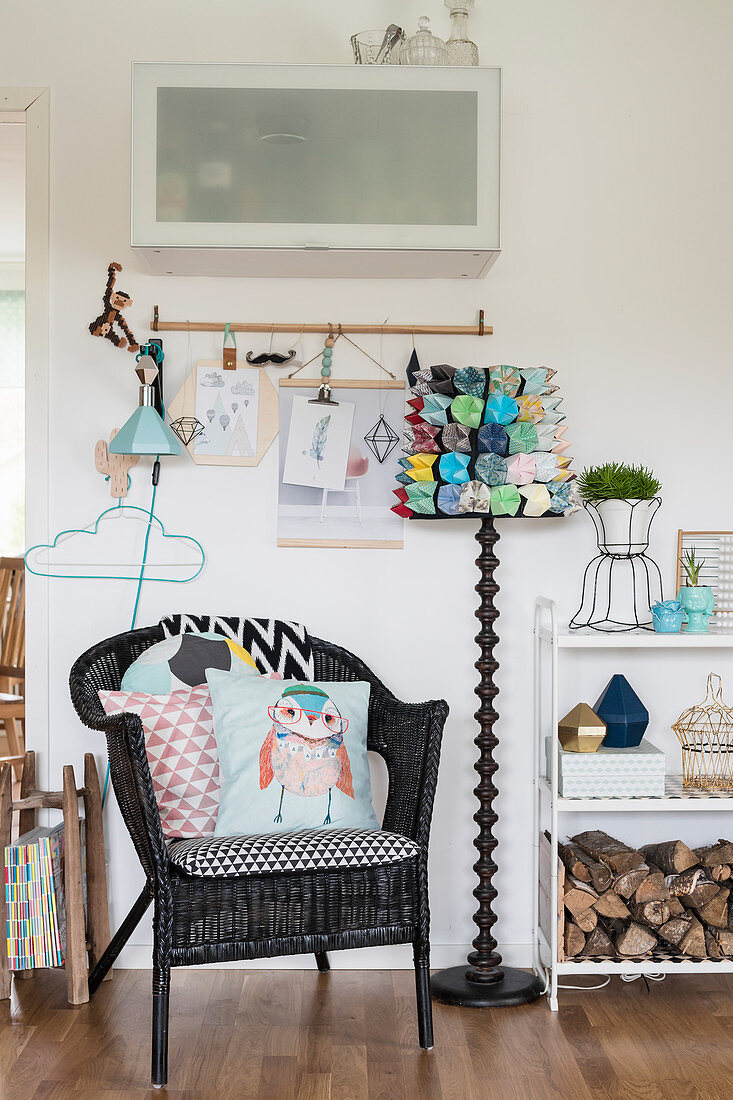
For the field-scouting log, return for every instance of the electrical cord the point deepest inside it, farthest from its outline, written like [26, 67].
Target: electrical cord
[141, 577]
[588, 988]
[624, 978]
[646, 977]
[159, 357]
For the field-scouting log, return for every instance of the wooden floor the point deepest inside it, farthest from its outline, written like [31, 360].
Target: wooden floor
[350, 1035]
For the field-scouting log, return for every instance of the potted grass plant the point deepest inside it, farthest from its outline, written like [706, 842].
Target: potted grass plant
[622, 500]
[698, 600]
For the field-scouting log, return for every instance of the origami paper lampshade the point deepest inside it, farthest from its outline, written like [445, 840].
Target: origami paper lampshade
[624, 714]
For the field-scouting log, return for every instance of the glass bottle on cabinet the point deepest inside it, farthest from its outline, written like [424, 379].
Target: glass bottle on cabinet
[424, 48]
[461, 50]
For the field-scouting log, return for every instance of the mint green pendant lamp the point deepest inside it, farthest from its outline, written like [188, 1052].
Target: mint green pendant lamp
[145, 433]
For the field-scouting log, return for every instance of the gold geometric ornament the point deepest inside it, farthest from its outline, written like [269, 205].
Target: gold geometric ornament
[581, 730]
[705, 733]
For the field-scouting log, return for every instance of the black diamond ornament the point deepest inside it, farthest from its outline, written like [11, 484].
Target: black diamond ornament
[381, 439]
[187, 428]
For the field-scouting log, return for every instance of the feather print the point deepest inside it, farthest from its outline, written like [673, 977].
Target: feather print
[320, 438]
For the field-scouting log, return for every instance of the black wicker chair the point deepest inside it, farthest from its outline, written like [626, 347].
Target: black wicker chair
[216, 919]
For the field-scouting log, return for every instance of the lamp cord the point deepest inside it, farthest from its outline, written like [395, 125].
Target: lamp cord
[159, 356]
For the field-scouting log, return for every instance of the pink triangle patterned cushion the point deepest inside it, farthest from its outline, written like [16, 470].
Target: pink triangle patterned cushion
[182, 754]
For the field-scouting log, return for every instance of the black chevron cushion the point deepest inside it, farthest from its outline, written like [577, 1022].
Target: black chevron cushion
[274, 853]
[274, 645]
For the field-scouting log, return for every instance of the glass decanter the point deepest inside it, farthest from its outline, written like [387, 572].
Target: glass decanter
[424, 48]
[461, 50]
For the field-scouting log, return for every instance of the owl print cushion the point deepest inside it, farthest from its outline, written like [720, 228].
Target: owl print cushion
[292, 755]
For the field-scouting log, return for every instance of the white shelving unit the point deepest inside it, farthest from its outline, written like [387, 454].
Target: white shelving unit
[550, 807]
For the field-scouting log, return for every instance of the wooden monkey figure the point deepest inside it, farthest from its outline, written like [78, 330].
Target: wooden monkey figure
[114, 302]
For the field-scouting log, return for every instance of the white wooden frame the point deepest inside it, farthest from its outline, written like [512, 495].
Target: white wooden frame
[549, 806]
[147, 232]
[35, 103]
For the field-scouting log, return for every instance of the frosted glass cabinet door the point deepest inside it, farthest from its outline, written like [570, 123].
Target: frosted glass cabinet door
[270, 156]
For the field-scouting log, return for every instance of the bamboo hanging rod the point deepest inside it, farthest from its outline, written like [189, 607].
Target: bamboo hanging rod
[480, 329]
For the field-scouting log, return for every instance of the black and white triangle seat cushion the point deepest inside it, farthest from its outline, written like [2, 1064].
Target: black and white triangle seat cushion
[274, 853]
[275, 645]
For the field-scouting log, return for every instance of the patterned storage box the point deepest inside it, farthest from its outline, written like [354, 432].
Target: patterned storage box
[610, 773]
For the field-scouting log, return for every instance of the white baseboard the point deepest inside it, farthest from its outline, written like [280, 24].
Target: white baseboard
[138, 957]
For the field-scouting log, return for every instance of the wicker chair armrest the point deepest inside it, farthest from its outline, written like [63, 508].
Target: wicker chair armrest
[413, 734]
[133, 787]
[102, 667]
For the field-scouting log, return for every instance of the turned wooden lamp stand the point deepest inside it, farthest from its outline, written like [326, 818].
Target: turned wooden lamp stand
[483, 983]
[79, 939]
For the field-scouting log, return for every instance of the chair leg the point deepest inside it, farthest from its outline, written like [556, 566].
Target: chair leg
[424, 1005]
[322, 961]
[161, 990]
[120, 938]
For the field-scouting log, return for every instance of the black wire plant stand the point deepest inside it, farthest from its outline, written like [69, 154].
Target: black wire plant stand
[605, 573]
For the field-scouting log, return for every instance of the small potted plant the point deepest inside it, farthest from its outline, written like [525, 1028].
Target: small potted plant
[622, 501]
[697, 599]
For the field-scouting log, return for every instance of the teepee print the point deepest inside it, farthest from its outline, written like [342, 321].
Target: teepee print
[484, 439]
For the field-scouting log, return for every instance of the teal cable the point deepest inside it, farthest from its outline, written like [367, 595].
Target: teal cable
[156, 467]
[143, 563]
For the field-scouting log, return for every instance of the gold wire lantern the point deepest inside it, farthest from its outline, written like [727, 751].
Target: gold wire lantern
[705, 733]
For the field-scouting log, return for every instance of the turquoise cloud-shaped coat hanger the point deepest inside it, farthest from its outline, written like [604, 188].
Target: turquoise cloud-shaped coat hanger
[39, 569]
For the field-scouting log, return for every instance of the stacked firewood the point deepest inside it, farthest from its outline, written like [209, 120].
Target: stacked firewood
[622, 902]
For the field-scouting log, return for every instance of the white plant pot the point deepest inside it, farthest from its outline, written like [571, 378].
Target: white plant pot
[623, 525]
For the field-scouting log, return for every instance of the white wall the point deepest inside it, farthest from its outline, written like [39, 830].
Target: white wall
[616, 271]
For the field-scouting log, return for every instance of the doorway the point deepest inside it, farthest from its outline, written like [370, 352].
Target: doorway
[24, 343]
[12, 334]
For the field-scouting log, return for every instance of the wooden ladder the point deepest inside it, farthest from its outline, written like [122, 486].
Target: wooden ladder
[82, 935]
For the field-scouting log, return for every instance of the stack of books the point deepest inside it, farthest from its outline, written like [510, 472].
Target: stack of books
[36, 916]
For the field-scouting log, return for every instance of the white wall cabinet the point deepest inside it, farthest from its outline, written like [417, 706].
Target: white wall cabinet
[316, 170]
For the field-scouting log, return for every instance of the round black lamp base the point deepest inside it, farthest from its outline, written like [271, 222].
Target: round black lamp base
[517, 987]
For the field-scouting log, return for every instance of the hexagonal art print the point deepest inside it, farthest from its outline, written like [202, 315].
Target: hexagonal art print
[225, 417]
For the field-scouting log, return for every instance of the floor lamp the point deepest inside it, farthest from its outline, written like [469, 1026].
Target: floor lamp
[483, 982]
[484, 443]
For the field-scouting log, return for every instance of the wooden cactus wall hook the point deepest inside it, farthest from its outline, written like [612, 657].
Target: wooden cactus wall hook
[115, 467]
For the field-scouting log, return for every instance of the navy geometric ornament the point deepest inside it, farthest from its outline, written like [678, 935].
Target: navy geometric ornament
[381, 439]
[624, 714]
[412, 368]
